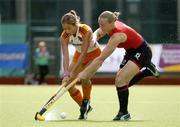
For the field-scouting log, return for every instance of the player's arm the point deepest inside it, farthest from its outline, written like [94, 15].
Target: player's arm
[98, 34]
[107, 51]
[64, 46]
[86, 42]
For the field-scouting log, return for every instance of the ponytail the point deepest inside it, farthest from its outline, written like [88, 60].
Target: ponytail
[116, 15]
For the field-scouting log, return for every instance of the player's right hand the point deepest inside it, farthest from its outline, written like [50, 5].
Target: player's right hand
[66, 76]
[65, 79]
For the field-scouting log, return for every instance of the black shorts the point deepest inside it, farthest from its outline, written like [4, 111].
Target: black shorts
[141, 56]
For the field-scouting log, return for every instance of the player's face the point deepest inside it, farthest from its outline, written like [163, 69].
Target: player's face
[104, 25]
[70, 29]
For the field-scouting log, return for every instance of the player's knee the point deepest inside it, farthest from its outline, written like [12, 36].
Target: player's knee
[119, 82]
[85, 81]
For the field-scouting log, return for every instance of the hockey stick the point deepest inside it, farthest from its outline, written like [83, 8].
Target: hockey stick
[60, 92]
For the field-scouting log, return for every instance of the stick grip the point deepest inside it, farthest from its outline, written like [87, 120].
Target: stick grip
[43, 110]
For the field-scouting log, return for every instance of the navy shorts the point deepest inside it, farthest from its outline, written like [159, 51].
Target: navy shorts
[141, 56]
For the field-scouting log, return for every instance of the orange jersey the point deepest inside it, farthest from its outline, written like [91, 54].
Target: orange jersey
[76, 40]
[89, 57]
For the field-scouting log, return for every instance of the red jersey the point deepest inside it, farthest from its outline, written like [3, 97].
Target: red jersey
[134, 39]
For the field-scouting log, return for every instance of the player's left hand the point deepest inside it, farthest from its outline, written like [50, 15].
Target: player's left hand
[65, 79]
[72, 75]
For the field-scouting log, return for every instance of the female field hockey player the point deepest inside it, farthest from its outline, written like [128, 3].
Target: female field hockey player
[138, 55]
[87, 49]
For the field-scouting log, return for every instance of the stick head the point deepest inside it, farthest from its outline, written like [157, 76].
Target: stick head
[39, 117]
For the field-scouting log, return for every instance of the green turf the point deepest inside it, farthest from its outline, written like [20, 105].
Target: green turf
[150, 106]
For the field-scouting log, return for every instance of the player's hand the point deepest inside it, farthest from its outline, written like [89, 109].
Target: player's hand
[72, 75]
[65, 79]
[66, 76]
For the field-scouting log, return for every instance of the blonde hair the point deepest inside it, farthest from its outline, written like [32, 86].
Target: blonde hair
[70, 18]
[110, 16]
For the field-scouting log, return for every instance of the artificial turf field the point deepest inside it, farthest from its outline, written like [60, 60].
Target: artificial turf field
[150, 106]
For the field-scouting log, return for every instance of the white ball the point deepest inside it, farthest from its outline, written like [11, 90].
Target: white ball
[63, 115]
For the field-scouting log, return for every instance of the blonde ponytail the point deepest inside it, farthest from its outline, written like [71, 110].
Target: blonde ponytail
[116, 15]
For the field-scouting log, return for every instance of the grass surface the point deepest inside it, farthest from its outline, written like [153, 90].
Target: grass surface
[150, 106]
